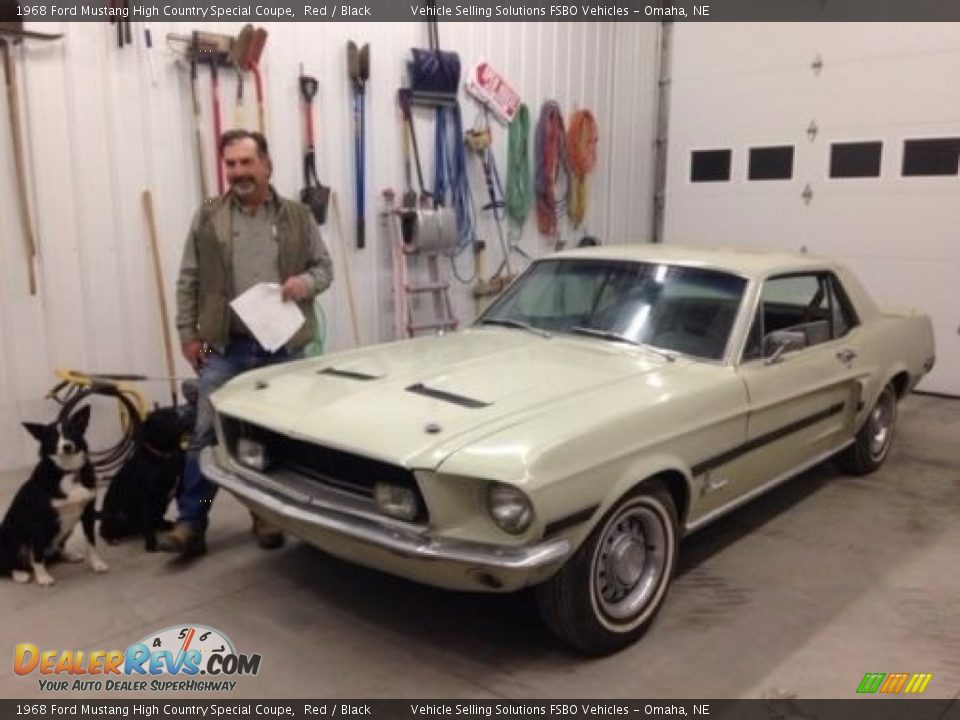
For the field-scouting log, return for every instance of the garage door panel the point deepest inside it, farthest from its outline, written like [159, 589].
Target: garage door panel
[888, 91]
[708, 221]
[760, 47]
[757, 48]
[886, 224]
[772, 104]
[840, 42]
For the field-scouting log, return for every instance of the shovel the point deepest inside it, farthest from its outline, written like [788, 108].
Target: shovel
[198, 132]
[358, 68]
[13, 105]
[217, 124]
[238, 58]
[314, 194]
[253, 64]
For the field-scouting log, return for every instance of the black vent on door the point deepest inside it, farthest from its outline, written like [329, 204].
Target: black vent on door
[931, 156]
[771, 163]
[710, 165]
[855, 159]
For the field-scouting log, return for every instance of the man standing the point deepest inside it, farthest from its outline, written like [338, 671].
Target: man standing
[249, 236]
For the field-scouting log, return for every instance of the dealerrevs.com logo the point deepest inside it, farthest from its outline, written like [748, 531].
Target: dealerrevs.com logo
[181, 658]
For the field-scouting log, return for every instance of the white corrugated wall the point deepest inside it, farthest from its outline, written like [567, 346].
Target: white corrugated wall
[99, 133]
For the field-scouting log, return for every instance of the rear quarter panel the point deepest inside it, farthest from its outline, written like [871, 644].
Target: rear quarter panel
[896, 343]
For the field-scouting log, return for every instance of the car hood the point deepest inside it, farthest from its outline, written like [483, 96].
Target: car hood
[417, 401]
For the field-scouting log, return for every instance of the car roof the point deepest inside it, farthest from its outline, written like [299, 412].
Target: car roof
[742, 261]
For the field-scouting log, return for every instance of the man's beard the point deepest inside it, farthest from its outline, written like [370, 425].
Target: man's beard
[244, 186]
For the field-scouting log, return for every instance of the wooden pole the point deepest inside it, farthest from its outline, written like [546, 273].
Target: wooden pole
[161, 294]
[346, 271]
[19, 163]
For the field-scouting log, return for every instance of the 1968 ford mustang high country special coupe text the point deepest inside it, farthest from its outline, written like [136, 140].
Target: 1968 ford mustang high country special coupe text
[609, 402]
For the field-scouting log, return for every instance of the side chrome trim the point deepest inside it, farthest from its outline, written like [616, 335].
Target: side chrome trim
[405, 542]
[779, 480]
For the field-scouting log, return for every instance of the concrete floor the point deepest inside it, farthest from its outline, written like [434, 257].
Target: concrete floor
[797, 595]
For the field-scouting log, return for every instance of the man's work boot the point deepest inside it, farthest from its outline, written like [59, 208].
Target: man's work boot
[184, 539]
[268, 537]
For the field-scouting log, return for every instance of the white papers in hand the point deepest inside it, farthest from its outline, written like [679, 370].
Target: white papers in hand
[271, 320]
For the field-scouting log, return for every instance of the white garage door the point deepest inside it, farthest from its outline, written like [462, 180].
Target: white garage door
[843, 139]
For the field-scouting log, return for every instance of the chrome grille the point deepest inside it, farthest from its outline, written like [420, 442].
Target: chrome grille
[336, 469]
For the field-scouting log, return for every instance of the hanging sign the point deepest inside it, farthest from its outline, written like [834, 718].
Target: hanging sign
[493, 90]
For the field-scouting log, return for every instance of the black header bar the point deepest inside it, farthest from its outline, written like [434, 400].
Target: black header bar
[872, 708]
[261, 11]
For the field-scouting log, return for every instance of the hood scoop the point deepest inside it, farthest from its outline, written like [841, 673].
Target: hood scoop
[463, 401]
[350, 374]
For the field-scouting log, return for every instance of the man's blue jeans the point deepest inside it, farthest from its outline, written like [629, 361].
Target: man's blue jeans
[241, 354]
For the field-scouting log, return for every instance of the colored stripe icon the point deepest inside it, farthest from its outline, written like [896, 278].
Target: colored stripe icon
[893, 683]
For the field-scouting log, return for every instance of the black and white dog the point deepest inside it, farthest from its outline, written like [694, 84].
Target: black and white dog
[139, 494]
[60, 493]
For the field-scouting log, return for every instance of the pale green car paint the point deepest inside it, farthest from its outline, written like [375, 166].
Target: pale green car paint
[575, 421]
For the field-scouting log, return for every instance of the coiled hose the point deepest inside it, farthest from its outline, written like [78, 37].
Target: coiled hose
[70, 393]
[550, 148]
[519, 196]
[582, 153]
[451, 172]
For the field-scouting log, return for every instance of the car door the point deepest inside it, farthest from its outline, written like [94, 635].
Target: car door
[803, 396]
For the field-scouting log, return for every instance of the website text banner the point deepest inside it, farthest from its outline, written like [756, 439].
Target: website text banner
[855, 709]
[260, 11]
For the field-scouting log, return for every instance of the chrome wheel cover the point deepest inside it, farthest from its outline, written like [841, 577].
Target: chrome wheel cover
[880, 425]
[630, 561]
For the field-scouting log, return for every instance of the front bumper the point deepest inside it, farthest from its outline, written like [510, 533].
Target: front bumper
[384, 545]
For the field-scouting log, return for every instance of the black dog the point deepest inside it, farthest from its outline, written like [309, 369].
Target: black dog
[61, 491]
[139, 494]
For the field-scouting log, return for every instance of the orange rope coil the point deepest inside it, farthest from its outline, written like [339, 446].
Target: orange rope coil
[582, 137]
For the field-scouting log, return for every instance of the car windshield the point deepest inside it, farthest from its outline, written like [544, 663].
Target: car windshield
[685, 309]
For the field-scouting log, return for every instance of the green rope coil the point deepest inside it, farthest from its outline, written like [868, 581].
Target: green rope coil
[519, 195]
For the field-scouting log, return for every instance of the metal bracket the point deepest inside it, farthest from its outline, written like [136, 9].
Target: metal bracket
[812, 130]
[807, 194]
[817, 64]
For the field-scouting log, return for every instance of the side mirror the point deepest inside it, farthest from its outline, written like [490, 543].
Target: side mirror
[777, 343]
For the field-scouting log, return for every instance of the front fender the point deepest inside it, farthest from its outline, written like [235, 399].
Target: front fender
[577, 525]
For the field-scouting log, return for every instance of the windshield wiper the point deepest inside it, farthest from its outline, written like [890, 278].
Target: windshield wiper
[604, 334]
[617, 337]
[657, 351]
[507, 322]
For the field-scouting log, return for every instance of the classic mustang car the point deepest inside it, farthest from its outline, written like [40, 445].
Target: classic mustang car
[609, 402]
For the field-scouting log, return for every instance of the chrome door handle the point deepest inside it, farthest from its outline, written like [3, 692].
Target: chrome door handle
[846, 355]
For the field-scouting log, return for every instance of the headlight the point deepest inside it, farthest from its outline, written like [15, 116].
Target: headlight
[510, 508]
[396, 501]
[252, 454]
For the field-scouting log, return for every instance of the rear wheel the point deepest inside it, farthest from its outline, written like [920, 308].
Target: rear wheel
[872, 443]
[604, 598]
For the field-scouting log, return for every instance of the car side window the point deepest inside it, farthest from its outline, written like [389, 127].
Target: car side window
[802, 309]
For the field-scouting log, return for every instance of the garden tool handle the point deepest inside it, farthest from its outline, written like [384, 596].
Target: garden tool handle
[13, 106]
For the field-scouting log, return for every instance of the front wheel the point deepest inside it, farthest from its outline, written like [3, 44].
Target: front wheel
[872, 443]
[606, 595]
